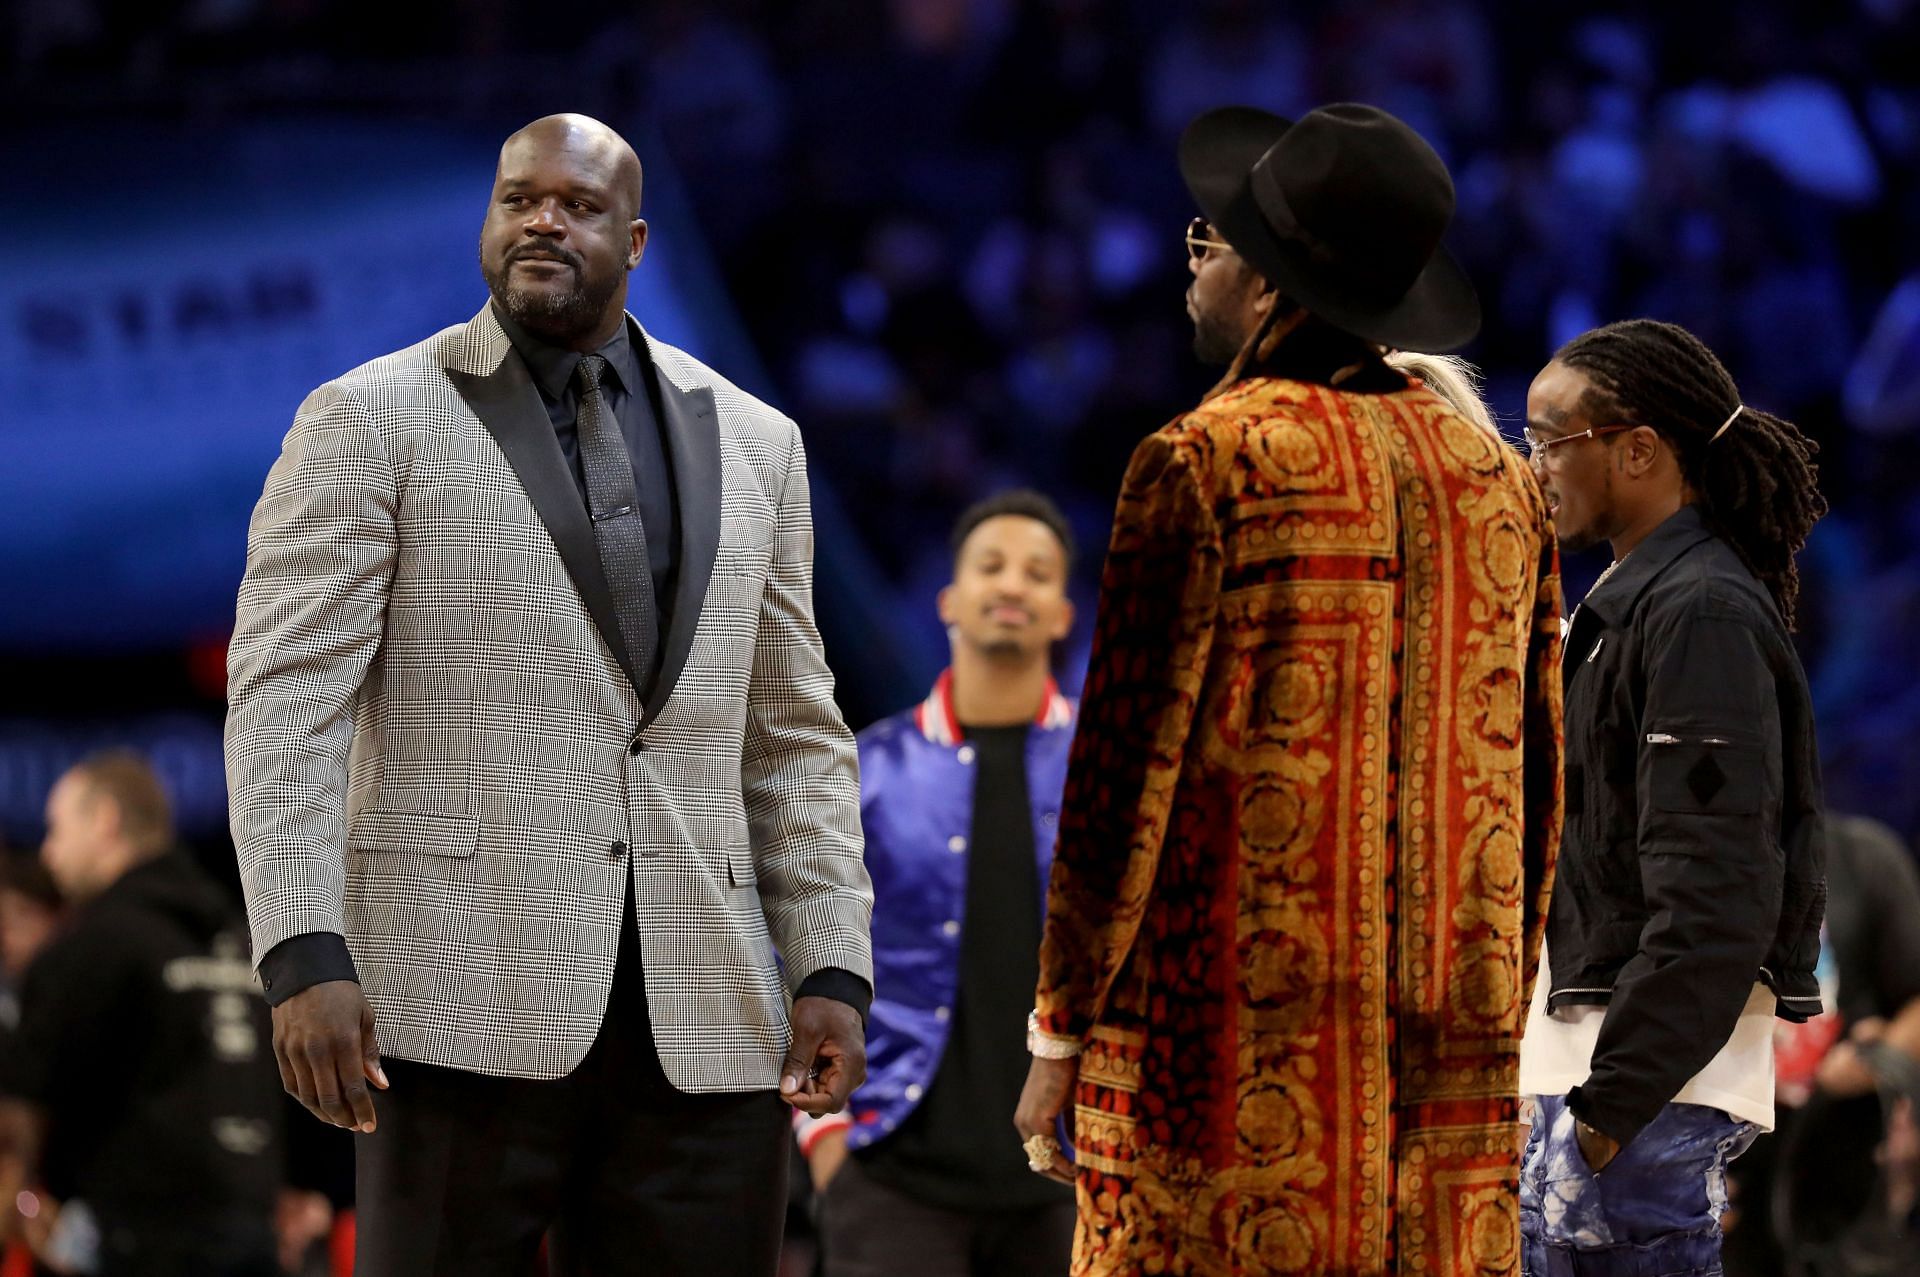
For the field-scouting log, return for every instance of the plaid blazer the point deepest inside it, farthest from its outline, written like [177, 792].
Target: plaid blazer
[433, 748]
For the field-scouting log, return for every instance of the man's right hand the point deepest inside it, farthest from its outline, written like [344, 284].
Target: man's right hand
[323, 1039]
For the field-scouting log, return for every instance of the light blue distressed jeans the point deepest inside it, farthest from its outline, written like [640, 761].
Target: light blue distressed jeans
[1654, 1212]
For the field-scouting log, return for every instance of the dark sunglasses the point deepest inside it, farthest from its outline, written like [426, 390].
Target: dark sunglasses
[1201, 240]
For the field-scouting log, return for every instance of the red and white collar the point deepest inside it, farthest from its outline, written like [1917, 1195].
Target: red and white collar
[936, 721]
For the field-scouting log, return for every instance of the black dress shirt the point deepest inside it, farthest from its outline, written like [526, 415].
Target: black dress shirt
[303, 961]
[629, 399]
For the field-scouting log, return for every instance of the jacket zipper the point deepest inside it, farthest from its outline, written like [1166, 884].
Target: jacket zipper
[1667, 738]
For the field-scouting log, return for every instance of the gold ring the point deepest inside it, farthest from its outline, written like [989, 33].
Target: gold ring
[1042, 1153]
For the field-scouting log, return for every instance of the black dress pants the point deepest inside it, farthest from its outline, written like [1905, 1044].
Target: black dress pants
[466, 1173]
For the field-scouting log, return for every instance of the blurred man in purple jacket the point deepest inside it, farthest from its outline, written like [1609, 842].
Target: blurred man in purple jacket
[960, 797]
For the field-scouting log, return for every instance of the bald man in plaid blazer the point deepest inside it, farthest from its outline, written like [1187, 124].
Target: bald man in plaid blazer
[558, 870]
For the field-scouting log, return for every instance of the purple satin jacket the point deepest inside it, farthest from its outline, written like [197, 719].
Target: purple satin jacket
[916, 804]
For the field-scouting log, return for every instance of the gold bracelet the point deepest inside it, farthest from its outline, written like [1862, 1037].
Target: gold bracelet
[1048, 1046]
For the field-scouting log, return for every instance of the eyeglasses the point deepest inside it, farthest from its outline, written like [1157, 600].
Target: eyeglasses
[1537, 448]
[1201, 240]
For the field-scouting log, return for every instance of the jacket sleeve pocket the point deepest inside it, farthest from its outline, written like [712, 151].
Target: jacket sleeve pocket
[1703, 775]
[374, 831]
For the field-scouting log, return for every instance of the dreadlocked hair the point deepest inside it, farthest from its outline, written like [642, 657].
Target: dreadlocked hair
[1757, 481]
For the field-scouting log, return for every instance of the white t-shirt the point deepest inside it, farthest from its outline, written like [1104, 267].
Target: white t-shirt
[1556, 1054]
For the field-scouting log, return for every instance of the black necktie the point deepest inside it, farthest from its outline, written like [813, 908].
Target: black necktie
[617, 531]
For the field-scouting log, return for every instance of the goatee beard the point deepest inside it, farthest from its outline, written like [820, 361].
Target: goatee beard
[1211, 345]
[1578, 542]
[558, 316]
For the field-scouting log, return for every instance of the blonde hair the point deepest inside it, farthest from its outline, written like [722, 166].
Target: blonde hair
[1453, 379]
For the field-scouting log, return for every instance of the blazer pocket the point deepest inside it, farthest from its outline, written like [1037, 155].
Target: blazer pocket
[433, 834]
[740, 870]
[1703, 775]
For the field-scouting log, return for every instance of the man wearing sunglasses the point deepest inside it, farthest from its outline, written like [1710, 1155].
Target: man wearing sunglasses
[1313, 800]
[1691, 883]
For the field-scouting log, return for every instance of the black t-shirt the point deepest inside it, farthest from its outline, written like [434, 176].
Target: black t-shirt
[958, 1148]
[145, 1043]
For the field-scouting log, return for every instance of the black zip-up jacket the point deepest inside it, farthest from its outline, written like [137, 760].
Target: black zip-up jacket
[1693, 863]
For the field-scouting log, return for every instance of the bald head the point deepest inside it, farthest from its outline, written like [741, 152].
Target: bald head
[563, 230]
[593, 142]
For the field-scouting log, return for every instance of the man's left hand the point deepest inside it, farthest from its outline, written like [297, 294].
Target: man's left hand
[828, 1058]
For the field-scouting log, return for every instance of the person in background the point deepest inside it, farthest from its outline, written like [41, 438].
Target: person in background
[141, 1084]
[1846, 1080]
[1309, 821]
[1686, 914]
[959, 796]
[29, 915]
[30, 912]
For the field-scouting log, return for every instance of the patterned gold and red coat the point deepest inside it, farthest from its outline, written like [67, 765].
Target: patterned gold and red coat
[1307, 840]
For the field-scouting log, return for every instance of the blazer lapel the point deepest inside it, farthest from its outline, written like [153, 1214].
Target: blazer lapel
[693, 449]
[509, 406]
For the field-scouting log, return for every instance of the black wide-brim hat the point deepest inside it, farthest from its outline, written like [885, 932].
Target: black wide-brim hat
[1343, 212]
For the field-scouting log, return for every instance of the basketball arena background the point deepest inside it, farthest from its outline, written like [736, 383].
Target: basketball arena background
[944, 234]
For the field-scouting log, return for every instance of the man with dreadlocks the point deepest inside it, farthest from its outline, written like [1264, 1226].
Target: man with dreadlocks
[1686, 914]
[1313, 800]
